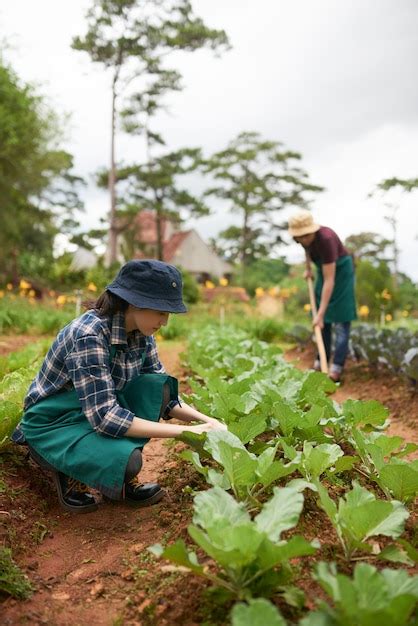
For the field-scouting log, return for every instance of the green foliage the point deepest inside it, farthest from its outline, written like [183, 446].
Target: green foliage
[369, 598]
[12, 580]
[38, 190]
[371, 280]
[246, 551]
[191, 293]
[264, 273]
[259, 612]
[360, 515]
[257, 178]
[368, 246]
[20, 316]
[406, 184]
[155, 186]
[133, 40]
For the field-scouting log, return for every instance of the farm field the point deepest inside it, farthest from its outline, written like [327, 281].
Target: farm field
[96, 569]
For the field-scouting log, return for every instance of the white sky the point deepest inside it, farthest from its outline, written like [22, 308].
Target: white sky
[333, 80]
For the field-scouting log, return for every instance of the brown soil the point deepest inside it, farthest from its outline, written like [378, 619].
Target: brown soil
[94, 569]
[10, 343]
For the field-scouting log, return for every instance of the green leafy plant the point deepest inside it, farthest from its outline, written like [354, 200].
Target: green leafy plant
[258, 612]
[369, 598]
[394, 476]
[246, 474]
[250, 555]
[359, 515]
[12, 580]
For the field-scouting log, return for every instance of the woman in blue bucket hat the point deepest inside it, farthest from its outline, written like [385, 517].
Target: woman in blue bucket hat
[101, 391]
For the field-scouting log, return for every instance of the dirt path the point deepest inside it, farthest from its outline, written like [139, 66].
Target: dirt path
[364, 384]
[81, 565]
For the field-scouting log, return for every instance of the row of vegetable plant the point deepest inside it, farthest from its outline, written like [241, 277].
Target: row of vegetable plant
[287, 438]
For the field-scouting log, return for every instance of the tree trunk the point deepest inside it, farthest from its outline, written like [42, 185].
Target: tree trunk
[113, 231]
[244, 245]
[159, 225]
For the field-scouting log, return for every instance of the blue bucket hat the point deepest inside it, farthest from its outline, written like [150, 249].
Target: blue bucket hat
[150, 284]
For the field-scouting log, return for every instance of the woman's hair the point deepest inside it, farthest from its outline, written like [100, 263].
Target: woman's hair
[107, 304]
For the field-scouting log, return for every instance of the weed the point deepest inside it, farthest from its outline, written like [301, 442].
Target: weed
[12, 580]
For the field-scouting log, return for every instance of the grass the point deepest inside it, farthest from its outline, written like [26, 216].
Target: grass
[13, 581]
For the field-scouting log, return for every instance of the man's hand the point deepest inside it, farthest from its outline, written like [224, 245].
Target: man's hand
[318, 320]
[308, 274]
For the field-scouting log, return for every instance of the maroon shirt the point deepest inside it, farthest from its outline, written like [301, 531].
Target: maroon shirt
[327, 247]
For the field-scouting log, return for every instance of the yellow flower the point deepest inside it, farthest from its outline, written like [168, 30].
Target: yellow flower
[364, 310]
[52, 293]
[259, 292]
[223, 282]
[91, 287]
[285, 293]
[209, 284]
[1, 293]
[22, 293]
[61, 300]
[386, 295]
[307, 307]
[405, 313]
[273, 291]
[9, 286]
[388, 317]
[24, 284]
[32, 293]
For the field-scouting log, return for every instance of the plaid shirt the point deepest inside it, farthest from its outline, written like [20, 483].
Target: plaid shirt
[80, 359]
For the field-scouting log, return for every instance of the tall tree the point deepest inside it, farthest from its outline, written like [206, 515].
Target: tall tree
[155, 186]
[38, 191]
[258, 178]
[368, 246]
[131, 38]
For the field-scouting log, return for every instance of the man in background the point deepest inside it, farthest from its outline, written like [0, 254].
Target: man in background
[334, 286]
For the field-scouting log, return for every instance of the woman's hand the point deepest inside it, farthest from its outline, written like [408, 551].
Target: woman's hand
[205, 427]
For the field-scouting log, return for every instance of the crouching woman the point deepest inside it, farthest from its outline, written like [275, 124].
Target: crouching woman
[101, 392]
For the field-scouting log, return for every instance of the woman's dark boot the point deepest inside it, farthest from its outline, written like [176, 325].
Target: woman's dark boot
[134, 492]
[73, 495]
[138, 494]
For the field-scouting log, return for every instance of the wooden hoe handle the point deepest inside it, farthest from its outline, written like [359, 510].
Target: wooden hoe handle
[318, 335]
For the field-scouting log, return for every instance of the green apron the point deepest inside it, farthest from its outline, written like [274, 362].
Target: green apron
[342, 306]
[59, 431]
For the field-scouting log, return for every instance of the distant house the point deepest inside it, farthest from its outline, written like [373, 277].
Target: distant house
[183, 248]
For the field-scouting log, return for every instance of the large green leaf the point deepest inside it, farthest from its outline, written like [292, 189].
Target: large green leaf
[370, 598]
[178, 553]
[401, 480]
[247, 427]
[315, 460]
[258, 612]
[280, 513]
[217, 507]
[377, 517]
[271, 554]
[232, 548]
[238, 463]
[287, 417]
[365, 412]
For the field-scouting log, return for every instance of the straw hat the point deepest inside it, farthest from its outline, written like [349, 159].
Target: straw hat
[301, 223]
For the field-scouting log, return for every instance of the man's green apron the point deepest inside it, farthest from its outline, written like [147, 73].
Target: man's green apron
[342, 306]
[59, 431]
